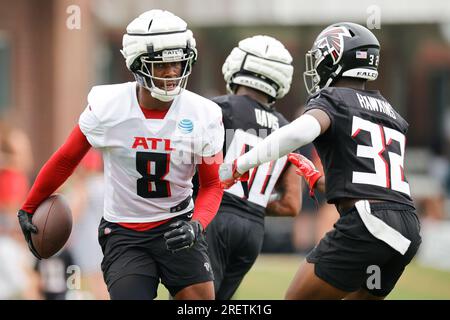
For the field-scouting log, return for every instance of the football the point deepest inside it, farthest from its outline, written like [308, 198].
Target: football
[53, 219]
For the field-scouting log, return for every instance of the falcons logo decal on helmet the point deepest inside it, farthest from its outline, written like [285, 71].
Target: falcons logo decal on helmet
[332, 40]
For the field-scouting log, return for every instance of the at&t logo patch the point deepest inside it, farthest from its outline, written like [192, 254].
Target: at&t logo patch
[186, 126]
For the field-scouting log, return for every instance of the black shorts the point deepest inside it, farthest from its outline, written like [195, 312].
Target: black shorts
[234, 243]
[349, 255]
[129, 252]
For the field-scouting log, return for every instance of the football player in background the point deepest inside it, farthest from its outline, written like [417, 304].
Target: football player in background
[257, 73]
[153, 133]
[361, 140]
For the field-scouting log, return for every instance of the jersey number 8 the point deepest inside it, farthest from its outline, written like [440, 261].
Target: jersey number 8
[153, 167]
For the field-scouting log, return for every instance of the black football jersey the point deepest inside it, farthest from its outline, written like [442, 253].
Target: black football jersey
[246, 123]
[363, 151]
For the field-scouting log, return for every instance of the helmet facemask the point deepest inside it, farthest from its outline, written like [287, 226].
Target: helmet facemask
[155, 37]
[310, 76]
[320, 71]
[164, 89]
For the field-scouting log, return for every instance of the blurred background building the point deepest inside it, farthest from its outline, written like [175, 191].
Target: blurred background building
[53, 51]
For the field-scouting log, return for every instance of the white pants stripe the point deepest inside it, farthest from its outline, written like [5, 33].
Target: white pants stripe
[380, 230]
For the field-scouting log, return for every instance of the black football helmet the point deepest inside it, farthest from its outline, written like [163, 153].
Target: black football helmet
[343, 49]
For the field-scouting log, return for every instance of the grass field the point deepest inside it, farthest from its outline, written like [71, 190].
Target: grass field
[271, 275]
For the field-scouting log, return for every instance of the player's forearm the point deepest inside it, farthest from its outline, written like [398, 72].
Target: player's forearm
[57, 169]
[207, 204]
[284, 140]
[320, 184]
[283, 208]
[289, 187]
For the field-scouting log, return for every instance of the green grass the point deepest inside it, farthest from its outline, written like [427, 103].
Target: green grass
[419, 282]
[271, 275]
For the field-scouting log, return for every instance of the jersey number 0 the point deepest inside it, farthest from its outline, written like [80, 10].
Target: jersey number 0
[262, 178]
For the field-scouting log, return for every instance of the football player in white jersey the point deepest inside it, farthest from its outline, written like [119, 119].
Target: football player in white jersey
[154, 134]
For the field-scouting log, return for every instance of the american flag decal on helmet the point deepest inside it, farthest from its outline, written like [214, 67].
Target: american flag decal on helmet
[332, 40]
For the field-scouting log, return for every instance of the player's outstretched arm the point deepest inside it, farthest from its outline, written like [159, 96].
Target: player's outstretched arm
[303, 130]
[289, 203]
[52, 175]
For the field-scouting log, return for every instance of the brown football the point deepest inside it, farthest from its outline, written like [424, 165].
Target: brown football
[53, 220]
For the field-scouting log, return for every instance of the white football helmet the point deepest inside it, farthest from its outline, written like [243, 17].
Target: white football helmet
[158, 36]
[262, 63]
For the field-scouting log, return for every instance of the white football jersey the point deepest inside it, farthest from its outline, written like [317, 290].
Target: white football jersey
[149, 163]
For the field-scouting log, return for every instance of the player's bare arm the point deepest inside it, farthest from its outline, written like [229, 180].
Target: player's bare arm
[321, 117]
[320, 185]
[307, 169]
[289, 204]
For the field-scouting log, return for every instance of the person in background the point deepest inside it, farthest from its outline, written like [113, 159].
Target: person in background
[17, 277]
[86, 194]
[258, 72]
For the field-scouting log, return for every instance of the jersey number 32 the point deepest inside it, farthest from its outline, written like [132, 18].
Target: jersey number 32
[387, 174]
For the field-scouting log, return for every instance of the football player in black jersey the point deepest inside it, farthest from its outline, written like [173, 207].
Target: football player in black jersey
[257, 72]
[361, 140]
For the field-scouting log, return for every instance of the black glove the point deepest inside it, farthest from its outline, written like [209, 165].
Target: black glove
[183, 236]
[28, 227]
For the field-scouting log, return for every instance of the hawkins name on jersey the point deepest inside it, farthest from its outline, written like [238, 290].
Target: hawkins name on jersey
[149, 163]
[375, 104]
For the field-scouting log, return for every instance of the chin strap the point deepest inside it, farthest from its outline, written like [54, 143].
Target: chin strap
[161, 97]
